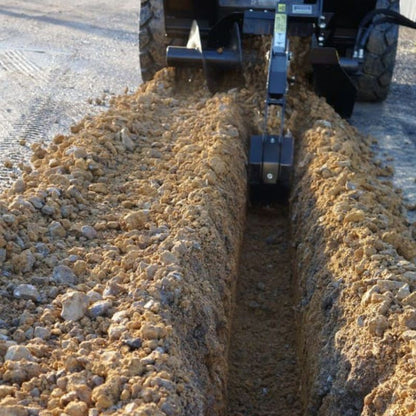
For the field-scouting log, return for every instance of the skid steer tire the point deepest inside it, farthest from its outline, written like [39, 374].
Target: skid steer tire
[380, 56]
[152, 38]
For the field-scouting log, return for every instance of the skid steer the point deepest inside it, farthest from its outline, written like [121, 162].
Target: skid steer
[352, 52]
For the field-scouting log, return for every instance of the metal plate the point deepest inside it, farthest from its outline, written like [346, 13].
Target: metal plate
[243, 4]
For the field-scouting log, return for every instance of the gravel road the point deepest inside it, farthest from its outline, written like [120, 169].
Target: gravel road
[393, 122]
[58, 62]
[62, 60]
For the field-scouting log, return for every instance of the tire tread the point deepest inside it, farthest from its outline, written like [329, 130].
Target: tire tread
[374, 82]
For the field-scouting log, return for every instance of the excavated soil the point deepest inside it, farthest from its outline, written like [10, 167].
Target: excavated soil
[122, 287]
[356, 272]
[128, 233]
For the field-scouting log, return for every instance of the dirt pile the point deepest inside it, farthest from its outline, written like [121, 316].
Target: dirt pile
[356, 270]
[119, 254]
[120, 248]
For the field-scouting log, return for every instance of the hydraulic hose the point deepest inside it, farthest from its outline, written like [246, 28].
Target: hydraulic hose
[387, 16]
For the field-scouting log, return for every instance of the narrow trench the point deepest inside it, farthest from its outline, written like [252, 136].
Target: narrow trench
[263, 372]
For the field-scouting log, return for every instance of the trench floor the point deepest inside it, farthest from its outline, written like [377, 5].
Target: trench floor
[263, 371]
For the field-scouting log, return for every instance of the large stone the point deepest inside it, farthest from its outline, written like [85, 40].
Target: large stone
[9, 218]
[408, 318]
[149, 331]
[99, 188]
[378, 325]
[42, 249]
[94, 296]
[56, 230]
[64, 275]
[108, 394]
[41, 332]
[409, 335]
[74, 306]
[13, 410]
[389, 285]
[18, 353]
[116, 330]
[355, 216]
[6, 391]
[168, 258]
[99, 308]
[134, 343]
[77, 152]
[48, 210]
[126, 140]
[410, 276]
[169, 408]
[25, 291]
[36, 202]
[135, 220]
[404, 247]
[410, 300]
[19, 186]
[88, 232]
[76, 409]
[24, 262]
[20, 371]
[403, 292]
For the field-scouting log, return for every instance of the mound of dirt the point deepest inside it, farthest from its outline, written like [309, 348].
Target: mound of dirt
[120, 248]
[119, 255]
[356, 269]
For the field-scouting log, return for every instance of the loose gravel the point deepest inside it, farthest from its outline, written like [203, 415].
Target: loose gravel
[119, 255]
[60, 61]
[120, 250]
[356, 265]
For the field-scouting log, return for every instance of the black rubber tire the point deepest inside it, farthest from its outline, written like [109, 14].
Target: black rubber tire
[152, 38]
[380, 57]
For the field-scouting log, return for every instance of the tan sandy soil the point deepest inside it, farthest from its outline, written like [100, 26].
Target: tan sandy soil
[129, 232]
[356, 272]
[137, 204]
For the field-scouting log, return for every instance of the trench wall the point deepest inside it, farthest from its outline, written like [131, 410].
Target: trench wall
[355, 265]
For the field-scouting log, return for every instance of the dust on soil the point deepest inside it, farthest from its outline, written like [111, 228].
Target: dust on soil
[263, 375]
[60, 61]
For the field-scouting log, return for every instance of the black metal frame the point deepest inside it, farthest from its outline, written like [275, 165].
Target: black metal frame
[343, 17]
[214, 31]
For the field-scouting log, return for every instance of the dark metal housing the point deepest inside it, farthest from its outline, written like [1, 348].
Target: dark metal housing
[343, 17]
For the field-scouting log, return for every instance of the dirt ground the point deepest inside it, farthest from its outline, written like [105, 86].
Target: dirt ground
[263, 372]
[118, 284]
[60, 61]
[355, 264]
[136, 281]
[123, 309]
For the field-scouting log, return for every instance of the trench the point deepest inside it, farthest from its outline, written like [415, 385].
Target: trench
[165, 258]
[263, 371]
